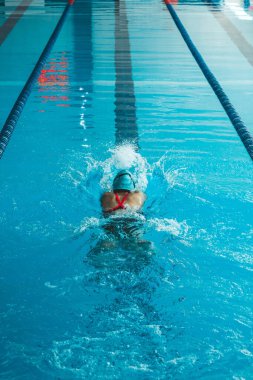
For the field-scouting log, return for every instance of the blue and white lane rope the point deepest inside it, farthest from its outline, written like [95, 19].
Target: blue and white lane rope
[235, 119]
[17, 109]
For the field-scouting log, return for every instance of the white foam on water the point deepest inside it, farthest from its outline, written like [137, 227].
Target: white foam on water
[246, 352]
[49, 285]
[173, 227]
[88, 222]
[125, 156]
[141, 367]
[126, 214]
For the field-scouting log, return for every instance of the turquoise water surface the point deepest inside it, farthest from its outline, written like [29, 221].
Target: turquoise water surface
[165, 294]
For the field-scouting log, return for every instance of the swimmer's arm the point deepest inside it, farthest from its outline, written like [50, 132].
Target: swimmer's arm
[142, 197]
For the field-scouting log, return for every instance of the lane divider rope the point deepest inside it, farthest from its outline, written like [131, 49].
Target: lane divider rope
[235, 119]
[17, 109]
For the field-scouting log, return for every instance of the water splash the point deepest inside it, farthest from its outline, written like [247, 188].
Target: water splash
[166, 174]
[97, 177]
[173, 227]
[87, 223]
[125, 157]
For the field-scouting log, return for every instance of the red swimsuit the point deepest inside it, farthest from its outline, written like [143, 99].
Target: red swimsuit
[121, 203]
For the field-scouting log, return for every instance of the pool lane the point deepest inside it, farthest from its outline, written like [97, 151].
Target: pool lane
[12, 20]
[224, 41]
[21, 50]
[231, 112]
[17, 109]
[183, 312]
[234, 33]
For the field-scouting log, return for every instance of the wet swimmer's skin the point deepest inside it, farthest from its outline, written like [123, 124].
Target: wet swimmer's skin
[124, 196]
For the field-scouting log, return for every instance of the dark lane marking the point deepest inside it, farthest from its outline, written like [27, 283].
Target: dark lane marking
[236, 36]
[12, 20]
[125, 108]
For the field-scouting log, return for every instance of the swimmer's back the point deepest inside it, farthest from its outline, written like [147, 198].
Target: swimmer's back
[133, 200]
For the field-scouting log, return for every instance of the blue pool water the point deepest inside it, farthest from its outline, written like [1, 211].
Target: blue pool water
[120, 89]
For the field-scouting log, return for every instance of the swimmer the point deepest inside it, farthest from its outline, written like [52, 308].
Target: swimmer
[124, 196]
[125, 231]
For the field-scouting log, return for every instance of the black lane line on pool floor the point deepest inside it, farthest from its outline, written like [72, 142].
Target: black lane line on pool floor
[235, 35]
[12, 20]
[125, 108]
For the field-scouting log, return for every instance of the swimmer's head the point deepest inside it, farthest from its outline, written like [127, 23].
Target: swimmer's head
[123, 181]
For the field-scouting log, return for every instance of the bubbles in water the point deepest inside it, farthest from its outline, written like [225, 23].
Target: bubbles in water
[173, 227]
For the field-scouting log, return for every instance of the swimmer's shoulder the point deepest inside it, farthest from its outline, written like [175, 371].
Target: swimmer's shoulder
[108, 195]
[138, 195]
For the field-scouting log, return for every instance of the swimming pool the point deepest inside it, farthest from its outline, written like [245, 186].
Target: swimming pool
[121, 88]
